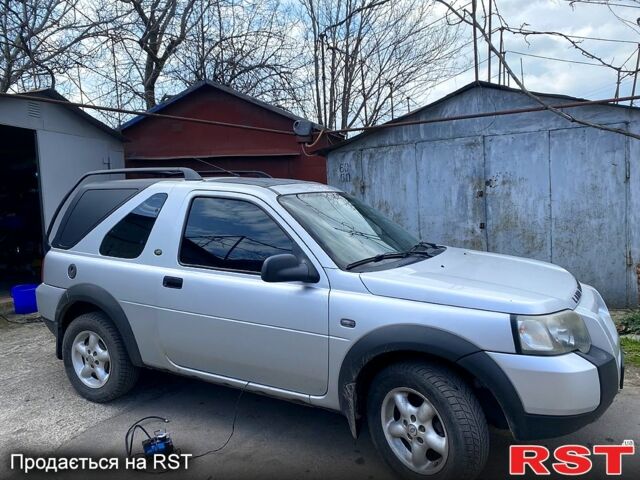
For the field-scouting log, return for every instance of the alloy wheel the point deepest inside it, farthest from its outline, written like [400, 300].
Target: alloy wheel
[90, 358]
[414, 430]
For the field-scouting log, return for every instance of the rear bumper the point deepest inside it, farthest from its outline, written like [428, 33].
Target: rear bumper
[48, 298]
[51, 325]
[528, 423]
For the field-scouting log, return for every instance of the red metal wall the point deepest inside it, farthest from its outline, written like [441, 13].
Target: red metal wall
[159, 142]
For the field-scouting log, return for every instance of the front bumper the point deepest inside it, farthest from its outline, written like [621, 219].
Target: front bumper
[553, 385]
[532, 426]
[527, 423]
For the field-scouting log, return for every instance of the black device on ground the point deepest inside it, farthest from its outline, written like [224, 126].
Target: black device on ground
[160, 443]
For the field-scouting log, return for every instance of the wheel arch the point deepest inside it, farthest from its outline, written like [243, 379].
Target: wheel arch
[395, 343]
[83, 298]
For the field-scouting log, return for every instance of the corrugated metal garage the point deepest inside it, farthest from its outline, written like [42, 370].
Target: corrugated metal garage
[155, 142]
[44, 149]
[531, 184]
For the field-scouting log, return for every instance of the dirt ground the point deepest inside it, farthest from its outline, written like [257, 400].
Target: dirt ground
[40, 414]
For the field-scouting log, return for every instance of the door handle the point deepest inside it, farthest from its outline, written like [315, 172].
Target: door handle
[172, 282]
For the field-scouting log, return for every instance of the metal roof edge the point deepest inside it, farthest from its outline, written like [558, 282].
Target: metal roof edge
[218, 86]
[465, 88]
[53, 94]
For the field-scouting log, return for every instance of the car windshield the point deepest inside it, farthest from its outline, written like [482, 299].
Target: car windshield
[347, 229]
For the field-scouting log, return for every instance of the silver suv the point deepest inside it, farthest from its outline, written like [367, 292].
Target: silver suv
[300, 291]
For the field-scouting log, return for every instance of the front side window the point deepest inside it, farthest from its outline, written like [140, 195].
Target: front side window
[347, 229]
[129, 236]
[231, 234]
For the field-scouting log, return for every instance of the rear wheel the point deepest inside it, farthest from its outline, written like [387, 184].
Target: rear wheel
[96, 360]
[426, 422]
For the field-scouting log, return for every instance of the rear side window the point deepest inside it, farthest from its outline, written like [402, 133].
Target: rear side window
[129, 236]
[86, 212]
[231, 234]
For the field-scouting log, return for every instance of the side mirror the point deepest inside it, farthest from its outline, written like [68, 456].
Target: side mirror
[288, 268]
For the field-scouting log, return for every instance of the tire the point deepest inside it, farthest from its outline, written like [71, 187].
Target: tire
[96, 360]
[435, 401]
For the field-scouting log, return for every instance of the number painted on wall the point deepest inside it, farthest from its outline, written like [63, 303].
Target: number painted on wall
[345, 171]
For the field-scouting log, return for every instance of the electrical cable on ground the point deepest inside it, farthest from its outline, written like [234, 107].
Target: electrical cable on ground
[26, 322]
[233, 427]
[130, 435]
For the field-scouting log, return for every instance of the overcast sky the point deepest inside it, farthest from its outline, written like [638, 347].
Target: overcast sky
[591, 20]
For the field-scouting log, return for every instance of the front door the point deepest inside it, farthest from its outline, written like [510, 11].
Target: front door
[218, 316]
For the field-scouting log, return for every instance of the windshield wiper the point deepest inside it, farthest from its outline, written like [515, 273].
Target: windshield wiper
[417, 249]
[378, 258]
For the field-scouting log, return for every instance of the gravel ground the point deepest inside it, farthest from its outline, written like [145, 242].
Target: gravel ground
[41, 414]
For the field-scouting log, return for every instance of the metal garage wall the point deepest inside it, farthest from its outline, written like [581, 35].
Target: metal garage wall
[399, 202]
[559, 195]
[346, 172]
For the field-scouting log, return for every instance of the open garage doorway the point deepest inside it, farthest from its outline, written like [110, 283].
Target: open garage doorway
[21, 232]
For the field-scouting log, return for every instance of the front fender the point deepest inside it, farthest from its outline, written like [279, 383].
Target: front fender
[100, 298]
[393, 338]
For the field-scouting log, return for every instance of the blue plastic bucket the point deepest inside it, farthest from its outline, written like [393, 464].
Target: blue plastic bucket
[24, 298]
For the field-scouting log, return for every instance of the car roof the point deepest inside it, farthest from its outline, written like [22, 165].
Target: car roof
[278, 185]
[266, 182]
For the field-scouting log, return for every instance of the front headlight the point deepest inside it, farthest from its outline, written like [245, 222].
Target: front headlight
[552, 334]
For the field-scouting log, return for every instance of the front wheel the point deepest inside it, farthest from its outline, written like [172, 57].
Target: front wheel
[426, 422]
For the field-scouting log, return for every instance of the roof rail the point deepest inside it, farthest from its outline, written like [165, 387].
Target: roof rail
[187, 174]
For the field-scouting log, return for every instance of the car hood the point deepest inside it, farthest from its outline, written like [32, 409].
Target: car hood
[486, 281]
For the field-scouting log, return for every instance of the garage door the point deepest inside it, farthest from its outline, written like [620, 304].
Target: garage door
[450, 179]
[589, 208]
[518, 195]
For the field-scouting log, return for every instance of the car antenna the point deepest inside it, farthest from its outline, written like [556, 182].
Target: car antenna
[217, 166]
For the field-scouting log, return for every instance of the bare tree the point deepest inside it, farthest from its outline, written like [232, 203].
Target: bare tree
[244, 44]
[367, 54]
[40, 39]
[157, 28]
[465, 16]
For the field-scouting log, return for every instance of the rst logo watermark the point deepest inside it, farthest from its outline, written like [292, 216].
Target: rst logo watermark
[567, 459]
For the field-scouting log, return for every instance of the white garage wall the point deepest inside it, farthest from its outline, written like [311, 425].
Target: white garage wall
[64, 158]
[68, 146]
